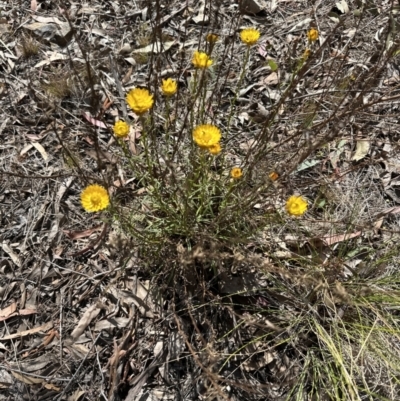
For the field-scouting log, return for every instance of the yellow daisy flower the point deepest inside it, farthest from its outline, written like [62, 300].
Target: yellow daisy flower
[206, 135]
[212, 38]
[236, 173]
[312, 35]
[296, 205]
[201, 60]
[215, 149]
[94, 198]
[139, 100]
[250, 36]
[121, 129]
[169, 87]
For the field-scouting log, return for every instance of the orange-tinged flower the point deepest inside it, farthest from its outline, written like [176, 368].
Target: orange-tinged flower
[273, 176]
[215, 149]
[236, 173]
[201, 60]
[206, 135]
[250, 36]
[307, 54]
[94, 198]
[169, 87]
[212, 38]
[296, 205]
[139, 100]
[121, 129]
[312, 35]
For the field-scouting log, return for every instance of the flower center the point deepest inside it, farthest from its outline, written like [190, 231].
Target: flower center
[96, 200]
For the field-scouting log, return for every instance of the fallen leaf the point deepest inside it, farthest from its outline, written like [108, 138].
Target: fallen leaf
[41, 150]
[50, 386]
[82, 234]
[27, 379]
[93, 121]
[272, 79]
[251, 6]
[333, 239]
[45, 327]
[76, 395]
[5, 379]
[85, 320]
[21, 312]
[362, 149]
[14, 257]
[112, 323]
[156, 48]
[9, 310]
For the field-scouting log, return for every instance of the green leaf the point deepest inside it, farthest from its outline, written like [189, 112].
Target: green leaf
[272, 65]
[306, 164]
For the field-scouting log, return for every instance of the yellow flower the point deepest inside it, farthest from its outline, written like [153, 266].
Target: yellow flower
[250, 36]
[296, 205]
[121, 129]
[212, 38]
[215, 149]
[139, 100]
[206, 135]
[236, 173]
[94, 198]
[201, 60]
[273, 176]
[312, 35]
[307, 54]
[169, 87]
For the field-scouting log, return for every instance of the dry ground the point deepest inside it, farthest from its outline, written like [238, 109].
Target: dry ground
[77, 318]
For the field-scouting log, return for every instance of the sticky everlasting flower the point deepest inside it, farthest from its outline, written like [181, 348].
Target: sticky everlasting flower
[94, 198]
[236, 172]
[206, 136]
[296, 205]
[139, 100]
[215, 149]
[250, 36]
[306, 54]
[212, 38]
[201, 60]
[169, 87]
[273, 176]
[312, 35]
[121, 129]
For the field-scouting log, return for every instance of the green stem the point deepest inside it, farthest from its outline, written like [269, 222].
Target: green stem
[237, 90]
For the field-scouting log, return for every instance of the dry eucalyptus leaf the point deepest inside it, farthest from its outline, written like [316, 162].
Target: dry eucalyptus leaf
[27, 379]
[86, 319]
[76, 395]
[112, 323]
[14, 257]
[139, 297]
[362, 149]
[8, 310]
[342, 6]
[272, 79]
[156, 48]
[44, 327]
[48, 28]
[41, 150]
[251, 6]
[201, 18]
[32, 365]
[5, 379]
